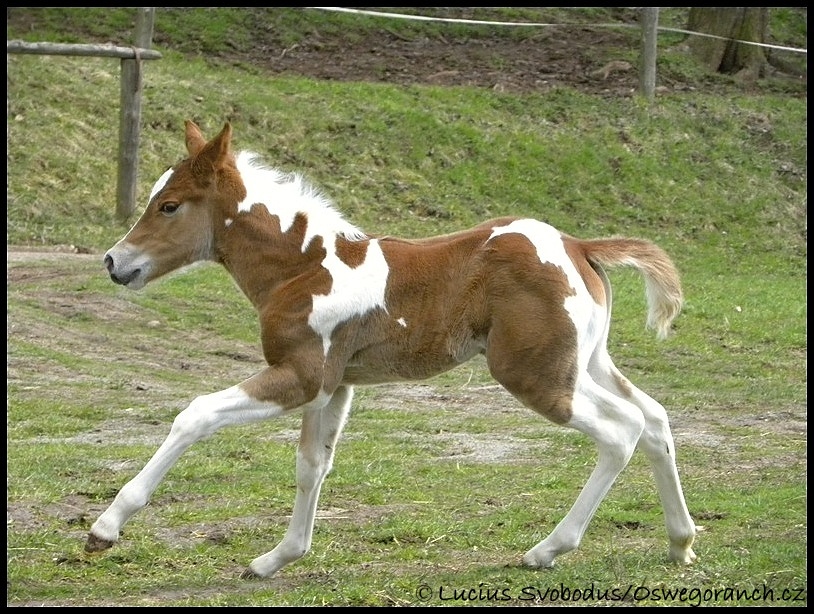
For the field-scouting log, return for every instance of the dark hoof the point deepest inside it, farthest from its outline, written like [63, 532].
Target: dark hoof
[96, 544]
[248, 574]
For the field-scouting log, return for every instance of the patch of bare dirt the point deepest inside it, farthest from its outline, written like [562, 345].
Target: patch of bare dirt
[550, 59]
[592, 59]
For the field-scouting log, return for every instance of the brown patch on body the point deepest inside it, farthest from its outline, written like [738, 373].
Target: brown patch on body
[352, 253]
[532, 342]
[450, 298]
[280, 279]
[625, 388]
[263, 259]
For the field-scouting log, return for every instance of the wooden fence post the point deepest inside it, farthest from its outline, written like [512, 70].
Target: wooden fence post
[130, 116]
[130, 113]
[647, 70]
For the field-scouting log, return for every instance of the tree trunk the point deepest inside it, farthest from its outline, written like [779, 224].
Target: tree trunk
[725, 54]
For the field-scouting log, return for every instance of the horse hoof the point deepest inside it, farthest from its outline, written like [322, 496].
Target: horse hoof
[97, 544]
[248, 574]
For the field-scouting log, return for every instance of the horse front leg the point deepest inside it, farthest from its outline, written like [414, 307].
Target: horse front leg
[321, 428]
[205, 415]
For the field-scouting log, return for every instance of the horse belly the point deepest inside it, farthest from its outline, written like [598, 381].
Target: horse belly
[380, 366]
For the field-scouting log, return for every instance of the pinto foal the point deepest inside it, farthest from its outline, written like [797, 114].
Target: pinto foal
[338, 308]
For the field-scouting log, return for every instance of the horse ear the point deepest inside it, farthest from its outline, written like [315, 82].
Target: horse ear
[194, 138]
[207, 157]
[223, 142]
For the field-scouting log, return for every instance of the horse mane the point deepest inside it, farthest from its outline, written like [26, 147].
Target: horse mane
[286, 194]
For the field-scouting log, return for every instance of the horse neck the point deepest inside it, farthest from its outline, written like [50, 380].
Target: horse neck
[283, 228]
[262, 256]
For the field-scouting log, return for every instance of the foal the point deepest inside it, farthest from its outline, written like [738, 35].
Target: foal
[338, 308]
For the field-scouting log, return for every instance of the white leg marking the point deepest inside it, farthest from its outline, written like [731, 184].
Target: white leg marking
[320, 432]
[657, 444]
[615, 425]
[205, 415]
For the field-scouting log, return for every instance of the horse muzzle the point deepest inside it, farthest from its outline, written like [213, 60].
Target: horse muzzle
[125, 270]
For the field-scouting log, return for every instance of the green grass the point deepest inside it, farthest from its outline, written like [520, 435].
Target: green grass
[96, 373]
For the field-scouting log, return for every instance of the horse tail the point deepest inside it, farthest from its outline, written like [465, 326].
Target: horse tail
[661, 278]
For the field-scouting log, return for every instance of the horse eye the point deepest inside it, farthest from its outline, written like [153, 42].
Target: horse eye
[169, 208]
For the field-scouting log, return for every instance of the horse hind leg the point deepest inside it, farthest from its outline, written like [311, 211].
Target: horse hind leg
[547, 379]
[615, 426]
[658, 446]
[319, 434]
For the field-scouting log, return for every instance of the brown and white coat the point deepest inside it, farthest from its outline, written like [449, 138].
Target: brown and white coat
[339, 308]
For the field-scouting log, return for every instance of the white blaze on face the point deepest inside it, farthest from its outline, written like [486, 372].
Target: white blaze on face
[128, 258]
[159, 185]
[354, 291]
[547, 240]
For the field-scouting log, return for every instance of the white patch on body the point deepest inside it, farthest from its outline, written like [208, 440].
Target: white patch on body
[354, 291]
[580, 306]
[229, 222]
[285, 195]
[402, 322]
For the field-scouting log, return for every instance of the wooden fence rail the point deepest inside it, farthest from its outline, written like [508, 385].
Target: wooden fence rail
[109, 51]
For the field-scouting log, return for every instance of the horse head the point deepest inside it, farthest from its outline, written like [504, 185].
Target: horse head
[178, 226]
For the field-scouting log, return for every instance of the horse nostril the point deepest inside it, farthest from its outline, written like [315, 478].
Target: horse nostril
[109, 263]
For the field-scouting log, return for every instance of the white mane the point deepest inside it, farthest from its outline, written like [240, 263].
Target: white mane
[287, 194]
